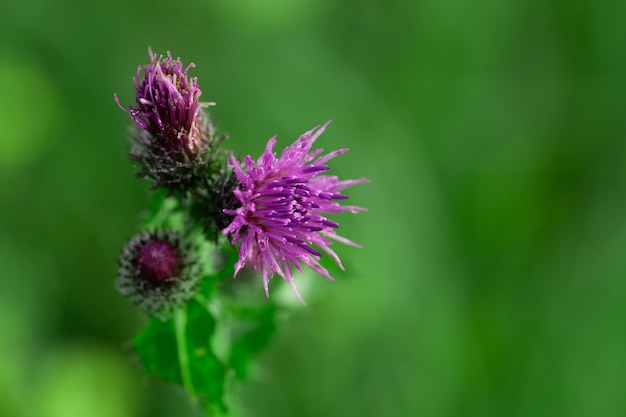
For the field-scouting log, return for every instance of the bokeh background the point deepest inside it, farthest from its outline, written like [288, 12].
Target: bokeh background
[492, 279]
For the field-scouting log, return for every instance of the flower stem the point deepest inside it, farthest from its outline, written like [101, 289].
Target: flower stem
[180, 324]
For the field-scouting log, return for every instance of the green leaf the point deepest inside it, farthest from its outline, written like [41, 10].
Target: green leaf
[156, 347]
[179, 351]
[252, 330]
[247, 319]
[206, 371]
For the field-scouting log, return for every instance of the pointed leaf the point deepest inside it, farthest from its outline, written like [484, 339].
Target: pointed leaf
[179, 351]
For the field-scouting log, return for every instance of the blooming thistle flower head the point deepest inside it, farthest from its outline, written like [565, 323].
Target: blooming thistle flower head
[174, 136]
[157, 272]
[280, 224]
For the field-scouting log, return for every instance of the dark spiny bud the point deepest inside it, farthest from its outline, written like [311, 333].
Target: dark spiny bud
[157, 272]
[211, 198]
[157, 262]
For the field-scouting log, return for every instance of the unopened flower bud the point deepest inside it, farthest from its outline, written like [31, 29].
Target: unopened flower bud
[157, 272]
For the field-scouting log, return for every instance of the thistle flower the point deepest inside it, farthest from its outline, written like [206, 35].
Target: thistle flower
[157, 272]
[174, 137]
[280, 224]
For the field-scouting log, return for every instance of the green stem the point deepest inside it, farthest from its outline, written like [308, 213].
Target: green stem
[201, 300]
[180, 323]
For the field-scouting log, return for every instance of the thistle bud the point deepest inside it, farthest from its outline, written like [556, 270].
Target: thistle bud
[174, 138]
[157, 272]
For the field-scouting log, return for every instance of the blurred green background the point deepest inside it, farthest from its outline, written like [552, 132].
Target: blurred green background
[492, 277]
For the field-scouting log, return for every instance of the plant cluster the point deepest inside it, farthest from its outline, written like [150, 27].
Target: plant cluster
[213, 217]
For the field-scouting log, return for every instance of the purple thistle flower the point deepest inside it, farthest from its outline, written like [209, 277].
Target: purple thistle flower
[167, 103]
[174, 138]
[282, 205]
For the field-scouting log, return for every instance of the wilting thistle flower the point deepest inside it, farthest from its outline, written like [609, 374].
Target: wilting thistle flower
[280, 223]
[157, 272]
[174, 137]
